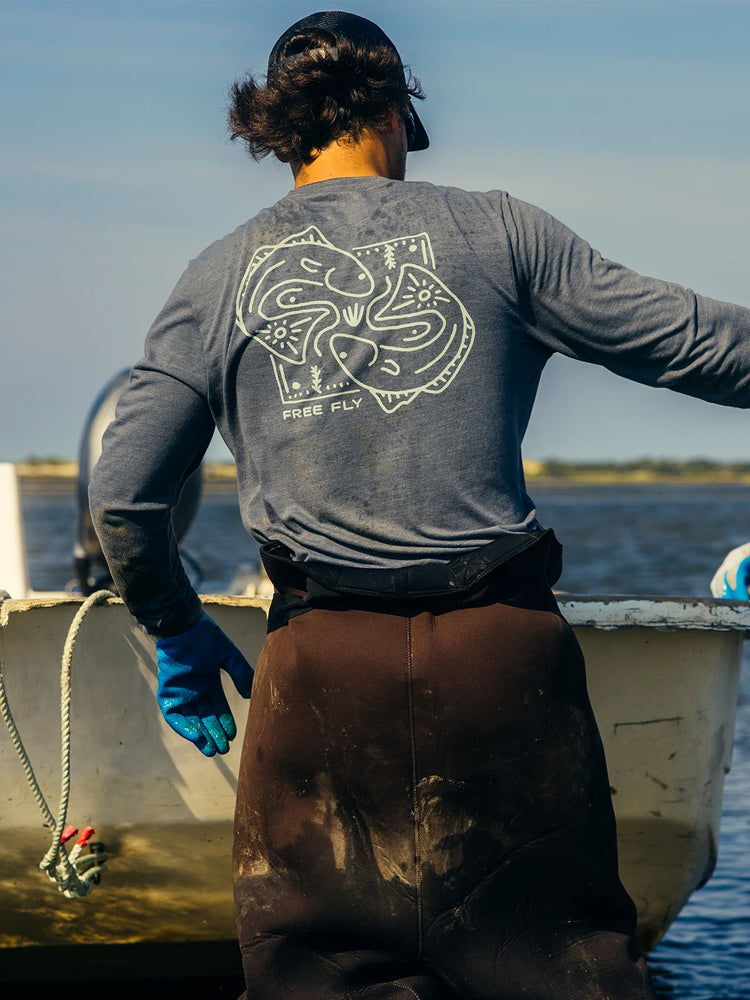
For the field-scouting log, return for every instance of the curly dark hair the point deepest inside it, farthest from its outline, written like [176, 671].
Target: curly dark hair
[317, 95]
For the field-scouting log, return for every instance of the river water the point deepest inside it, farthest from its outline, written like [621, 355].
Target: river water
[644, 539]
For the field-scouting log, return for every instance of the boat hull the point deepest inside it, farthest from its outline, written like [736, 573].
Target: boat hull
[663, 679]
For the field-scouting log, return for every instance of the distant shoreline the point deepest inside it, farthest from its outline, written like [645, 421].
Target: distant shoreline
[60, 476]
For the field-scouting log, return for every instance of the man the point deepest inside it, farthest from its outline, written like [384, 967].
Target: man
[423, 803]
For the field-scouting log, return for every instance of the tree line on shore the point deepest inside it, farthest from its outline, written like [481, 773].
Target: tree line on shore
[640, 470]
[554, 470]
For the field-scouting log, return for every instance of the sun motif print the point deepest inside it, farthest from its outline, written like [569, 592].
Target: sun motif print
[375, 319]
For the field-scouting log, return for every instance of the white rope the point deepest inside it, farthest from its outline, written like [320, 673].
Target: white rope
[74, 875]
[49, 819]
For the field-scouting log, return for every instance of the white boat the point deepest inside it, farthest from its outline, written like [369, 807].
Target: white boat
[663, 678]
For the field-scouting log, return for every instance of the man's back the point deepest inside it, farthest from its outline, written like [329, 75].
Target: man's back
[370, 351]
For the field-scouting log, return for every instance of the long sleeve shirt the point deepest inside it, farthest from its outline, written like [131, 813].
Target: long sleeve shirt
[370, 351]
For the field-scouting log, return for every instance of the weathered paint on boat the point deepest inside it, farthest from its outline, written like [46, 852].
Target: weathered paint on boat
[663, 677]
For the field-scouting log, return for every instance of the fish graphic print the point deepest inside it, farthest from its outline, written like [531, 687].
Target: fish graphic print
[374, 319]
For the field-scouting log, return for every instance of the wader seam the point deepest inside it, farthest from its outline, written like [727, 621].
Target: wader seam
[416, 812]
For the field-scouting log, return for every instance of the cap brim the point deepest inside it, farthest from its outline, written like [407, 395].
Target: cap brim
[421, 140]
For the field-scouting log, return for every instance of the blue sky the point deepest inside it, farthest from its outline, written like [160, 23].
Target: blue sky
[630, 121]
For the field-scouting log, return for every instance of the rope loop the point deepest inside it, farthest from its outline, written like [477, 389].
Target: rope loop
[74, 875]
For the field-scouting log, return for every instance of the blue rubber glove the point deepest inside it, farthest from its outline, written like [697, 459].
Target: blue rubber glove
[731, 578]
[190, 694]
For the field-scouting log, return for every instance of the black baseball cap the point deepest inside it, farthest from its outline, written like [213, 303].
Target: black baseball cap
[341, 25]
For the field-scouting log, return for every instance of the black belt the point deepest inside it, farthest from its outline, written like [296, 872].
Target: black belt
[508, 565]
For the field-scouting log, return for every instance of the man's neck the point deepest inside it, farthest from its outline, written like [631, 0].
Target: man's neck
[374, 155]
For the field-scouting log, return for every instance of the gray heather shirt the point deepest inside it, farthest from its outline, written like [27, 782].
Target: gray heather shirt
[370, 351]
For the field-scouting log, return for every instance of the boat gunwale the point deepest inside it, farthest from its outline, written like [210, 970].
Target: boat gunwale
[603, 611]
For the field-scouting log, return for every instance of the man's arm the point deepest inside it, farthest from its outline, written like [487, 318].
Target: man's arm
[650, 331]
[157, 440]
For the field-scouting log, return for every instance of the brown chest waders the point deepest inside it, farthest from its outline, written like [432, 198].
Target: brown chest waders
[423, 804]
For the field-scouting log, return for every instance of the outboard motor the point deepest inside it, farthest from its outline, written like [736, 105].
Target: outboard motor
[92, 572]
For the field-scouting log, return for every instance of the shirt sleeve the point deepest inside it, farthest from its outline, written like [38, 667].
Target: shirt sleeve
[592, 309]
[158, 438]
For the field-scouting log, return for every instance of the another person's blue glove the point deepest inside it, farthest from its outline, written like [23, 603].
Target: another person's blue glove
[731, 579]
[190, 694]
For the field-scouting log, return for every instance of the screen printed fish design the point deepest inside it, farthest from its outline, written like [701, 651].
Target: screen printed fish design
[376, 318]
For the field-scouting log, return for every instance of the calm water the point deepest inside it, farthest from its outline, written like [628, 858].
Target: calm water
[632, 540]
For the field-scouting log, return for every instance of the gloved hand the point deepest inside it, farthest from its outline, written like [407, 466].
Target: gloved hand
[190, 694]
[732, 577]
